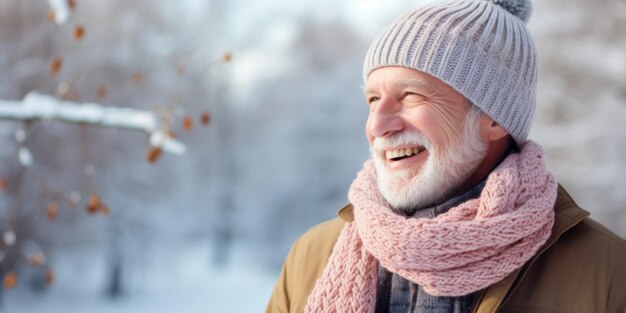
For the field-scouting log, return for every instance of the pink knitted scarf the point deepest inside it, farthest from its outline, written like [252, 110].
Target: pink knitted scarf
[466, 249]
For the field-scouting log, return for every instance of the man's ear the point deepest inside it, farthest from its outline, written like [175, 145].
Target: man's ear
[491, 129]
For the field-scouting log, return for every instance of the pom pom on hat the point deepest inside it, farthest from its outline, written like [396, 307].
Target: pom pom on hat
[520, 8]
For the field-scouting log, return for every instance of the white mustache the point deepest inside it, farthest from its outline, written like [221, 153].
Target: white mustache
[381, 144]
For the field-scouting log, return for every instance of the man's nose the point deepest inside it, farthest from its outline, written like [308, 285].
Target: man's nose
[384, 120]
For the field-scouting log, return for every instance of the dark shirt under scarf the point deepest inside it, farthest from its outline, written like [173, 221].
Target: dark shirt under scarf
[395, 294]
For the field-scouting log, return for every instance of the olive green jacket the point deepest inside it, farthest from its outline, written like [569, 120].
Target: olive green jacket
[581, 268]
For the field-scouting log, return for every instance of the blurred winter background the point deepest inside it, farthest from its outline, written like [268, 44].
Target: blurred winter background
[266, 98]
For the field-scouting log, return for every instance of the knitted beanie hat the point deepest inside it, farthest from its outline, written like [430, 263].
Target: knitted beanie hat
[481, 48]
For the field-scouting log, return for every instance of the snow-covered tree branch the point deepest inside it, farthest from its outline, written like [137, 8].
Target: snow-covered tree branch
[37, 106]
[61, 9]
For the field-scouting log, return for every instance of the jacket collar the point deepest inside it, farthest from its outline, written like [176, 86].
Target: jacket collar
[346, 213]
[567, 215]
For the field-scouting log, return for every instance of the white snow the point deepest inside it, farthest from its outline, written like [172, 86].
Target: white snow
[159, 139]
[25, 157]
[61, 11]
[178, 280]
[9, 238]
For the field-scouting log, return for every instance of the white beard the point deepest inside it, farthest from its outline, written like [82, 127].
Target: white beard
[444, 171]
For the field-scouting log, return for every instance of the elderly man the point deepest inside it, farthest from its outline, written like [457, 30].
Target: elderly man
[455, 211]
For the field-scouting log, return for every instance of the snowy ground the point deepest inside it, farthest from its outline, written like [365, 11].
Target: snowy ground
[186, 284]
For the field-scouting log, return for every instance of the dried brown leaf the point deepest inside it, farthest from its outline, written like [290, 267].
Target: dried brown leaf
[205, 118]
[137, 79]
[51, 15]
[102, 92]
[52, 210]
[56, 65]
[79, 32]
[227, 57]
[153, 154]
[4, 184]
[37, 259]
[49, 277]
[10, 280]
[187, 123]
[94, 204]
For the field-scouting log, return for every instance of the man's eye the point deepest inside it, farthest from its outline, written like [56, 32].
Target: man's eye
[370, 100]
[412, 96]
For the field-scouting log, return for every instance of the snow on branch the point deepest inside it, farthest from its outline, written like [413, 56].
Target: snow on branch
[36, 106]
[61, 9]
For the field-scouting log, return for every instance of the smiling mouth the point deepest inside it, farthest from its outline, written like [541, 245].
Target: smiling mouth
[403, 153]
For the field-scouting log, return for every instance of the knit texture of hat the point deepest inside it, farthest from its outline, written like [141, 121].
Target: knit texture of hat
[481, 48]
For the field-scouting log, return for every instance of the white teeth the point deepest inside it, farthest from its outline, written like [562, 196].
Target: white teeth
[402, 152]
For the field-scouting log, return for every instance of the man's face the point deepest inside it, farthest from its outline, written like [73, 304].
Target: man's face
[424, 142]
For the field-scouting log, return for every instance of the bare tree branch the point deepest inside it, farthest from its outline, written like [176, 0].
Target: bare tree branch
[36, 106]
